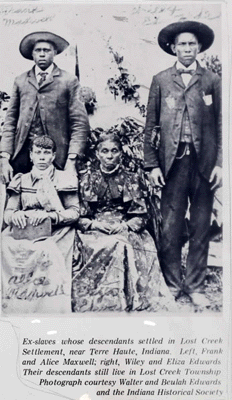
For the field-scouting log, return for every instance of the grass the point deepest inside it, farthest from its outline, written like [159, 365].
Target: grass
[213, 287]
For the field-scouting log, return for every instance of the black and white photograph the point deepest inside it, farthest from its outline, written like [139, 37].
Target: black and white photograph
[113, 193]
[114, 176]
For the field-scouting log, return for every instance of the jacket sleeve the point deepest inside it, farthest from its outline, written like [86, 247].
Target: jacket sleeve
[13, 205]
[11, 120]
[78, 120]
[152, 120]
[217, 99]
[14, 199]
[71, 211]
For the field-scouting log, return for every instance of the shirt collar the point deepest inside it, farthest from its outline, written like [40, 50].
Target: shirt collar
[36, 174]
[193, 66]
[109, 172]
[48, 70]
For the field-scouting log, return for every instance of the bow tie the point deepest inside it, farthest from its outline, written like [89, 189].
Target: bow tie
[186, 71]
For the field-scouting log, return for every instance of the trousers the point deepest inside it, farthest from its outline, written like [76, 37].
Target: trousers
[185, 187]
[21, 163]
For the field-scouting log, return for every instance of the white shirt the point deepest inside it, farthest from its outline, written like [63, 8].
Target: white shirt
[186, 77]
[38, 71]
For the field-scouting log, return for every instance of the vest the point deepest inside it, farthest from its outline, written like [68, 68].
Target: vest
[186, 134]
[36, 128]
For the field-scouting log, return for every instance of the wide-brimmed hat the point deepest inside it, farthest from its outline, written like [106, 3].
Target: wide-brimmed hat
[27, 44]
[204, 34]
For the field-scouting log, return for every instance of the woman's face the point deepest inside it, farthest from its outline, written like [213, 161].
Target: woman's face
[109, 154]
[41, 158]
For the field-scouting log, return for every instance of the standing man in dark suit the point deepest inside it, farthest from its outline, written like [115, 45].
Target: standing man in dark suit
[184, 106]
[44, 101]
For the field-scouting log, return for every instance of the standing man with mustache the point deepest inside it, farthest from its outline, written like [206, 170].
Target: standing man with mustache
[185, 106]
[44, 102]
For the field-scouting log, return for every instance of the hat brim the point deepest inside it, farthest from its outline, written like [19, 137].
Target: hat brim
[204, 34]
[28, 42]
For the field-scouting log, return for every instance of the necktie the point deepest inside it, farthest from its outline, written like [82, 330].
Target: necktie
[43, 77]
[186, 71]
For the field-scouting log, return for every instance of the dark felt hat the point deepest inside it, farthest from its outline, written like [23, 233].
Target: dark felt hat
[204, 34]
[27, 44]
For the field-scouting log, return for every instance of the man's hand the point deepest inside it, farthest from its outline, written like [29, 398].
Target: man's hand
[6, 169]
[19, 219]
[70, 165]
[156, 178]
[216, 178]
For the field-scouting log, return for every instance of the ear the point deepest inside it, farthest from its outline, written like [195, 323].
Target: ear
[53, 157]
[173, 47]
[30, 153]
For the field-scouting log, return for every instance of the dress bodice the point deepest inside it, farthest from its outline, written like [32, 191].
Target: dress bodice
[118, 193]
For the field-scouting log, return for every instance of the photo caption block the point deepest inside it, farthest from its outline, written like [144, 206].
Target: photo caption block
[112, 364]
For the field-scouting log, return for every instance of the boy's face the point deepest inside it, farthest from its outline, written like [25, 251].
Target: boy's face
[42, 158]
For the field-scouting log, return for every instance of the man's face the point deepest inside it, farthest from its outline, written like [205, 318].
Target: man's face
[186, 48]
[42, 158]
[43, 54]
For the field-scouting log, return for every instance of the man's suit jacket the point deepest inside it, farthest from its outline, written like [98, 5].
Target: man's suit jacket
[63, 116]
[168, 98]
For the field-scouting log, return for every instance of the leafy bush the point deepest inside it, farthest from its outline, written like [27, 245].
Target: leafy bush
[88, 97]
[212, 63]
[125, 84]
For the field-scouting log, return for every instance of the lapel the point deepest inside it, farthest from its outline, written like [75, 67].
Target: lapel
[50, 79]
[195, 78]
[33, 81]
[32, 78]
[177, 77]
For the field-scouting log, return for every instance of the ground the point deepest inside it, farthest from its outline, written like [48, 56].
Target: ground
[213, 283]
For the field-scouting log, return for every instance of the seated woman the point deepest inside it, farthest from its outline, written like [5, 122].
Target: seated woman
[37, 245]
[120, 268]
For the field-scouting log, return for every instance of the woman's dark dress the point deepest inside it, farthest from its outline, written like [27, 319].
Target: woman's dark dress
[118, 271]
